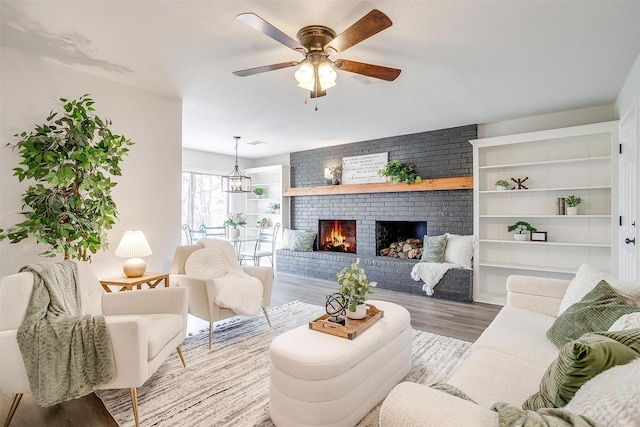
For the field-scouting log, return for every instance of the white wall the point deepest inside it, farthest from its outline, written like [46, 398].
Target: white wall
[148, 193]
[582, 116]
[206, 162]
[630, 92]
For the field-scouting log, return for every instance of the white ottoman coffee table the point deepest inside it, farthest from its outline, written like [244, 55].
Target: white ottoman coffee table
[318, 379]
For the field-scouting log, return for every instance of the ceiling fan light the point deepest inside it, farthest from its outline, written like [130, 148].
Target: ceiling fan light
[305, 76]
[326, 75]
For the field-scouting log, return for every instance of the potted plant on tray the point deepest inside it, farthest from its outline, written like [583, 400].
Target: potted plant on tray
[572, 203]
[355, 286]
[522, 228]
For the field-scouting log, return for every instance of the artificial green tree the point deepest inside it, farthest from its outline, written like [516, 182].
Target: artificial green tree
[70, 159]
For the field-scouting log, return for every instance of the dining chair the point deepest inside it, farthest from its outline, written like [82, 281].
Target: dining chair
[266, 238]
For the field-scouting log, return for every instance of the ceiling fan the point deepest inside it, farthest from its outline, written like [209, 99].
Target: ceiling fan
[317, 43]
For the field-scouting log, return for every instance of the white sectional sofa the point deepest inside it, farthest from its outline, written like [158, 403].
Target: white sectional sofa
[506, 363]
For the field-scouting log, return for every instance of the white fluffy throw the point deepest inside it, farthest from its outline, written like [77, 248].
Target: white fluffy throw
[430, 273]
[240, 293]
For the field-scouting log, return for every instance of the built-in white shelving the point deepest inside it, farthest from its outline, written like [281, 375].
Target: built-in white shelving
[557, 163]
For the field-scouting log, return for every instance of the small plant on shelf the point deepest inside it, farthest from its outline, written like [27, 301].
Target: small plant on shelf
[258, 191]
[522, 228]
[398, 172]
[501, 184]
[572, 201]
[336, 173]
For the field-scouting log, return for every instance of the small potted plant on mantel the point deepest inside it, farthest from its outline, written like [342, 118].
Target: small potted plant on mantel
[502, 185]
[354, 287]
[259, 192]
[522, 228]
[572, 203]
[336, 173]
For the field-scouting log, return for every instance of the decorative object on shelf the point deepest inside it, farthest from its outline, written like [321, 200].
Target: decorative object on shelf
[561, 206]
[69, 206]
[133, 246]
[275, 207]
[355, 286]
[502, 185]
[264, 222]
[520, 183]
[336, 174]
[335, 308]
[521, 227]
[234, 221]
[538, 236]
[398, 172]
[258, 191]
[572, 203]
[236, 182]
[363, 169]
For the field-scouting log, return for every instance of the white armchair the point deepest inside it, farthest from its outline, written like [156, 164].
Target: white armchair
[202, 290]
[145, 326]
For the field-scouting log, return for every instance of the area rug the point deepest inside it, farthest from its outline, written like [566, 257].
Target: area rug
[229, 384]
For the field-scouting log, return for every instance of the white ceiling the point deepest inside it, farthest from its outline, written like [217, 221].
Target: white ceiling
[462, 62]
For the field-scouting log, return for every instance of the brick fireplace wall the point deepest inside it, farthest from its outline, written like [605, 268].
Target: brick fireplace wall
[442, 153]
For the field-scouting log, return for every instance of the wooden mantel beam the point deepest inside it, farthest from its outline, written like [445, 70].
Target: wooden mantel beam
[458, 183]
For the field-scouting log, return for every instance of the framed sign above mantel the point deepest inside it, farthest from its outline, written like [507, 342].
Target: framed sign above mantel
[364, 169]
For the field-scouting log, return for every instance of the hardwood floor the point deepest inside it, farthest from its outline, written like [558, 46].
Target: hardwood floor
[457, 320]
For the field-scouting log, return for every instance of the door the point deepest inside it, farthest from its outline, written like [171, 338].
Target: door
[629, 264]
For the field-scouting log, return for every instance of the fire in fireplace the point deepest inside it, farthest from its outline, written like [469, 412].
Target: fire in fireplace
[337, 235]
[400, 239]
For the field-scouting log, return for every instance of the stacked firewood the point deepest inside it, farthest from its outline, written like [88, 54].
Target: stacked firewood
[409, 249]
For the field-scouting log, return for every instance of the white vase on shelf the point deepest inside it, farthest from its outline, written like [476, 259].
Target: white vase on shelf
[520, 236]
[572, 210]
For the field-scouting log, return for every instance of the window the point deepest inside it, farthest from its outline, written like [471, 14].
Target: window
[203, 202]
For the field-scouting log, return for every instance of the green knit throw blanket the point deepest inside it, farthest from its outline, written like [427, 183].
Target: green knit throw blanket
[66, 355]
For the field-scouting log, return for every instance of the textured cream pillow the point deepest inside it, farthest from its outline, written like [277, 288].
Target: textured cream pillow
[459, 250]
[587, 278]
[207, 262]
[611, 398]
[628, 321]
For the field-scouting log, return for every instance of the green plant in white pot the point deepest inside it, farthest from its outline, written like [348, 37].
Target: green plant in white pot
[70, 160]
[502, 185]
[572, 203]
[258, 191]
[355, 286]
[522, 229]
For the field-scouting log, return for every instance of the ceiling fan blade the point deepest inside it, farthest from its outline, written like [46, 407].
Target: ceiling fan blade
[265, 68]
[257, 23]
[370, 24]
[377, 71]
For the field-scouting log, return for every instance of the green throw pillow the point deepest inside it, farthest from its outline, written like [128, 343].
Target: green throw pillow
[302, 241]
[581, 360]
[433, 248]
[596, 311]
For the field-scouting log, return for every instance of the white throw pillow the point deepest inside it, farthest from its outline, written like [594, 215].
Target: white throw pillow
[611, 398]
[459, 250]
[587, 278]
[287, 237]
[628, 321]
[207, 262]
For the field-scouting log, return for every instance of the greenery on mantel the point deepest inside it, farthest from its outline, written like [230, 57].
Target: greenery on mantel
[398, 172]
[70, 159]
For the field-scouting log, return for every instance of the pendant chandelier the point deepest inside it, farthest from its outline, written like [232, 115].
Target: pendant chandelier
[236, 182]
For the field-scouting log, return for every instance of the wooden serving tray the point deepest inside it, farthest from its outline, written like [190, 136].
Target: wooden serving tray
[352, 327]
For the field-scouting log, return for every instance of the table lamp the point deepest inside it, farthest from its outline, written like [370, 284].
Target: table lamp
[133, 246]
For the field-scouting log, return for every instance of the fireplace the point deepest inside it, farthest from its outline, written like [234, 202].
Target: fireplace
[337, 235]
[400, 239]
